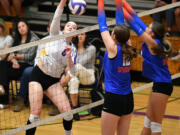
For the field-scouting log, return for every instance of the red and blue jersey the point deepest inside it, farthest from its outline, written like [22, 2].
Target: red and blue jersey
[117, 74]
[155, 67]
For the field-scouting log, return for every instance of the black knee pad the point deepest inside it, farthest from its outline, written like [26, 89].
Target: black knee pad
[30, 131]
[67, 124]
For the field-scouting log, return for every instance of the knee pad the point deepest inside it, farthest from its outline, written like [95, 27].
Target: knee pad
[73, 85]
[147, 122]
[67, 124]
[33, 118]
[155, 127]
[78, 66]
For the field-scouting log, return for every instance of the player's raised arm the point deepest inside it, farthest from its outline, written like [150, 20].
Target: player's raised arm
[138, 25]
[108, 41]
[55, 25]
[119, 13]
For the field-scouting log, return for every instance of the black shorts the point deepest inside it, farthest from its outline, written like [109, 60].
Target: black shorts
[162, 87]
[118, 104]
[45, 80]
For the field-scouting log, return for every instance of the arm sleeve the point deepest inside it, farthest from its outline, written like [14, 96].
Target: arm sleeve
[132, 22]
[102, 16]
[119, 13]
[131, 11]
[55, 25]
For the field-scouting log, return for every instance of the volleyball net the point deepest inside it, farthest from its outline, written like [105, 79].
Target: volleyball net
[12, 123]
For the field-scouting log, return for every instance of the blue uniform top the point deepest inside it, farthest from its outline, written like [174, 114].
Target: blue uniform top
[155, 67]
[116, 72]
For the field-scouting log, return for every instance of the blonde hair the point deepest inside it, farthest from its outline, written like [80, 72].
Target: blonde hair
[2, 25]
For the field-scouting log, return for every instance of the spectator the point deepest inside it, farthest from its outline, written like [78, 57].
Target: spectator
[13, 67]
[85, 69]
[22, 95]
[47, 31]
[169, 14]
[5, 40]
[17, 5]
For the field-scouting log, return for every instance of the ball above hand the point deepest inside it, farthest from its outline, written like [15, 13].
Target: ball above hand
[77, 7]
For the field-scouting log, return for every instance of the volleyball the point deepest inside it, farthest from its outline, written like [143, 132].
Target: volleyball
[77, 7]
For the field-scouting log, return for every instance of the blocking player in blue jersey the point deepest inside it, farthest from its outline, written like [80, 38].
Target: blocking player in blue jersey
[118, 105]
[155, 51]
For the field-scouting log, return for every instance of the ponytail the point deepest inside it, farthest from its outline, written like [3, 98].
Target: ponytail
[129, 52]
[163, 49]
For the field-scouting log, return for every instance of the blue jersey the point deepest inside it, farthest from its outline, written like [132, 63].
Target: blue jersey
[116, 72]
[155, 67]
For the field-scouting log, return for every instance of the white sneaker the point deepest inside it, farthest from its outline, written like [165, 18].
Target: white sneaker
[2, 106]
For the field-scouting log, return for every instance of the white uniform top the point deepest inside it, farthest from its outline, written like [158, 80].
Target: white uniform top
[52, 53]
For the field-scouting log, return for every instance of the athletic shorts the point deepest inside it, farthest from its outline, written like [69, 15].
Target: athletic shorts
[162, 87]
[118, 104]
[45, 80]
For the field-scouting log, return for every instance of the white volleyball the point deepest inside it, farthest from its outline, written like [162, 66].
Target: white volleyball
[77, 7]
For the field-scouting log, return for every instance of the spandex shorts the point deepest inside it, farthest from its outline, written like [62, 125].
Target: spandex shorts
[45, 80]
[118, 104]
[164, 88]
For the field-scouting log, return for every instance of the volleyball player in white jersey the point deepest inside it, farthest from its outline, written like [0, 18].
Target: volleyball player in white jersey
[50, 61]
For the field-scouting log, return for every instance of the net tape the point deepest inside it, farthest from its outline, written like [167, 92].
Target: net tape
[87, 29]
[84, 30]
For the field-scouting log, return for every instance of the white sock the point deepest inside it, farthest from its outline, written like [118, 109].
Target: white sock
[68, 132]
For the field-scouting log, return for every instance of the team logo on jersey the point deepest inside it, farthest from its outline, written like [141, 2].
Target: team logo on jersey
[124, 69]
[165, 62]
[64, 52]
[43, 52]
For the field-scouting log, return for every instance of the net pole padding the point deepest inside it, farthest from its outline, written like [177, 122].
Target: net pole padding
[86, 107]
[84, 30]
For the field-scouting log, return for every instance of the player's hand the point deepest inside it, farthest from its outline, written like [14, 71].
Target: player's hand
[63, 81]
[10, 57]
[16, 65]
[68, 51]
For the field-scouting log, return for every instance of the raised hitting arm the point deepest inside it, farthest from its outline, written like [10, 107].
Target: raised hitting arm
[55, 25]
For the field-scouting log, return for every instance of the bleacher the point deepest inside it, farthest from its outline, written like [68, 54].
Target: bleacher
[44, 12]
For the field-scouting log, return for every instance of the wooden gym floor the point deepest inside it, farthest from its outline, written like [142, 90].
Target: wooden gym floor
[90, 125]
